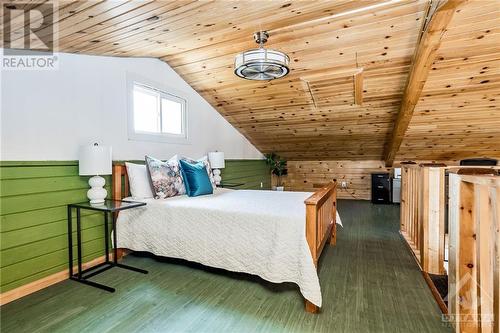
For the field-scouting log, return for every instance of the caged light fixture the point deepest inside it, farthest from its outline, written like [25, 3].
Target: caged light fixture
[261, 64]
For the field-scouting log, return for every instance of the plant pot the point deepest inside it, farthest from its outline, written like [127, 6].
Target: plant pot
[280, 188]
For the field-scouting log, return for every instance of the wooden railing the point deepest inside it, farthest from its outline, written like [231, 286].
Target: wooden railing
[422, 214]
[409, 223]
[474, 264]
[473, 198]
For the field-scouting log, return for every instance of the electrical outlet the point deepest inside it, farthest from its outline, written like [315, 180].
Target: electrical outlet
[343, 184]
[261, 185]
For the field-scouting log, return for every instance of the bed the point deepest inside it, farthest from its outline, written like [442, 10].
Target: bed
[278, 236]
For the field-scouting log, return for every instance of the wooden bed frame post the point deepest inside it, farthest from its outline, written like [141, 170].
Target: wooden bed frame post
[321, 215]
[119, 171]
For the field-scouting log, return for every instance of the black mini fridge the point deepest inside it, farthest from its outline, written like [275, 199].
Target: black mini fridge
[381, 188]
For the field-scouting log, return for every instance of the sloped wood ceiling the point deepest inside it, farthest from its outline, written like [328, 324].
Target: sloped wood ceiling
[312, 113]
[321, 122]
[458, 115]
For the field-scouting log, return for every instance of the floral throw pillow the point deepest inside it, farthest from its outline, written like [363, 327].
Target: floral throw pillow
[166, 178]
[205, 161]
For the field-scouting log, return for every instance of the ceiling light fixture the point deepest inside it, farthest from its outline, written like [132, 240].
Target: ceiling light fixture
[261, 64]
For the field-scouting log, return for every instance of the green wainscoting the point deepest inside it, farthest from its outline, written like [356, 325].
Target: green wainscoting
[33, 225]
[249, 172]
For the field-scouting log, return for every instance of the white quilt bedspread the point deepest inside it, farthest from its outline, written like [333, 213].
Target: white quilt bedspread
[256, 232]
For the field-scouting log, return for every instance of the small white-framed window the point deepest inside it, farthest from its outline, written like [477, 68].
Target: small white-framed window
[156, 115]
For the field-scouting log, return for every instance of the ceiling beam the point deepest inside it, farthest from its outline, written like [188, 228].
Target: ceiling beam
[425, 54]
[358, 88]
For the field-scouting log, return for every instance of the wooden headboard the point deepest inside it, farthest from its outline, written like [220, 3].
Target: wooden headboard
[119, 182]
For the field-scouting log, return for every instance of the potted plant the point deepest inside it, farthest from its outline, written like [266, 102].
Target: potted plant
[278, 168]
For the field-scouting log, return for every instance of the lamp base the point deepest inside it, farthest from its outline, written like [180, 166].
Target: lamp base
[217, 177]
[97, 192]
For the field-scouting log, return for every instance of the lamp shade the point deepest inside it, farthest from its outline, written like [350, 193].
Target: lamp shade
[216, 159]
[95, 160]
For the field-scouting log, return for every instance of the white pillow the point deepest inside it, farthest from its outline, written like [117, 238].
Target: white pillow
[138, 179]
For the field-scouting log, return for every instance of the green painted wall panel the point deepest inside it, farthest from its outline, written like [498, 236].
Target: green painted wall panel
[35, 217]
[249, 172]
[40, 185]
[33, 225]
[24, 236]
[18, 271]
[27, 171]
[22, 203]
[46, 272]
[32, 250]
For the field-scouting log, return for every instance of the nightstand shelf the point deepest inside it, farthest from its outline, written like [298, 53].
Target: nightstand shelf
[108, 207]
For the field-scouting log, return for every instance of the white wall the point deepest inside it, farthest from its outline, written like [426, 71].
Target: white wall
[46, 115]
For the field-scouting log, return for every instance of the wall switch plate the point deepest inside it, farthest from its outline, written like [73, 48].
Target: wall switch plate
[343, 184]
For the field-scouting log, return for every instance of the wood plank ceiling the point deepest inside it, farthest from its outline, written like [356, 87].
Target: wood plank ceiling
[458, 114]
[313, 113]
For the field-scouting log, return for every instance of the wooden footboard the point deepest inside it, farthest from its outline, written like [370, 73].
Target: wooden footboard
[321, 213]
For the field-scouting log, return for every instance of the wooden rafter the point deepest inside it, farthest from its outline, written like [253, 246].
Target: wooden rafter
[332, 74]
[356, 73]
[307, 85]
[424, 57]
[358, 88]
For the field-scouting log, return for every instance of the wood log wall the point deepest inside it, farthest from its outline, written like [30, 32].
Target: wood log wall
[311, 175]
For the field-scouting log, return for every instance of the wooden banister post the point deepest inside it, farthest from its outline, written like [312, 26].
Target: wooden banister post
[474, 260]
[432, 219]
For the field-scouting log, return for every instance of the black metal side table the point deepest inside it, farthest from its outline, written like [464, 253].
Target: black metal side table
[108, 207]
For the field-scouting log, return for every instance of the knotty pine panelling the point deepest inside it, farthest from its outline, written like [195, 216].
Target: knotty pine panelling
[458, 113]
[200, 39]
[456, 116]
[311, 175]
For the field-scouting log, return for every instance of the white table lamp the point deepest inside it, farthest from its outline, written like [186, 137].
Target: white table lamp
[217, 162]
[95, 161]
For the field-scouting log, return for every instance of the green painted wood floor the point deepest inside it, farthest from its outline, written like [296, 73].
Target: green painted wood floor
[369, 281]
